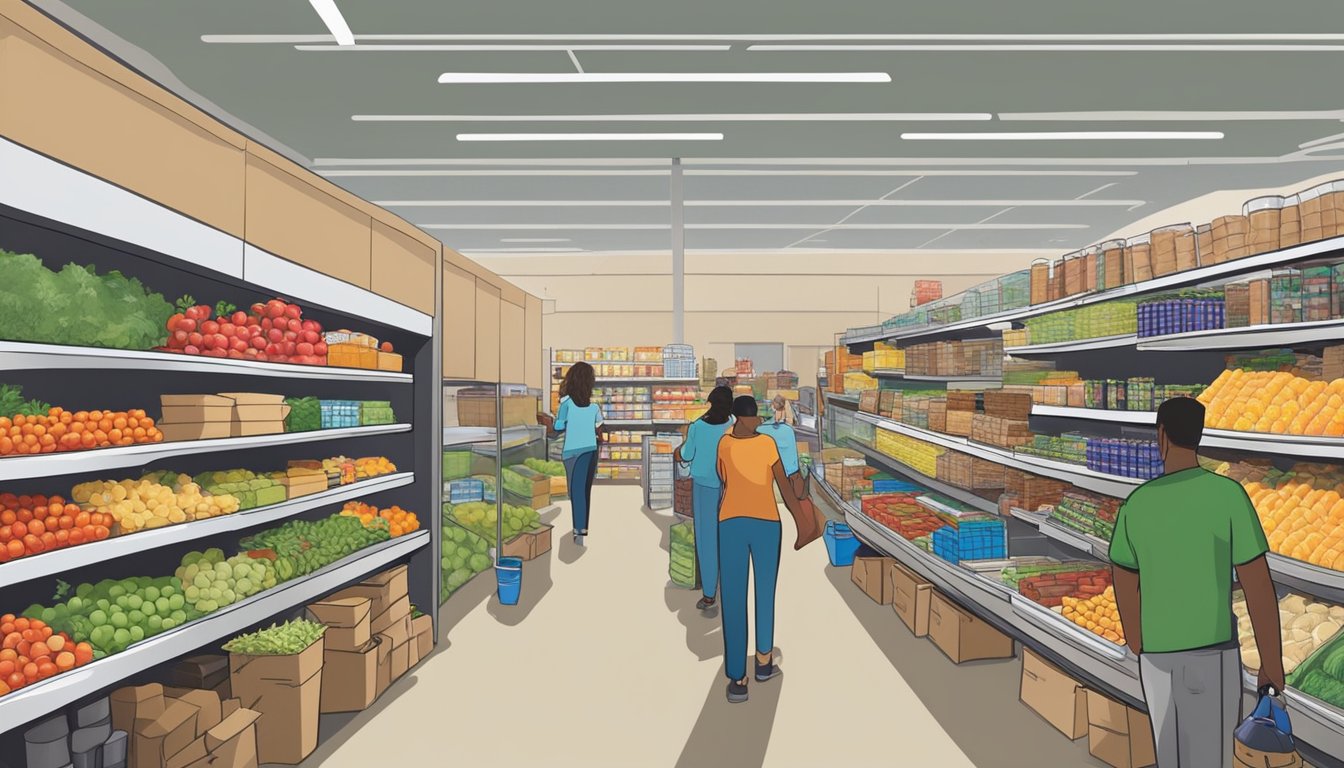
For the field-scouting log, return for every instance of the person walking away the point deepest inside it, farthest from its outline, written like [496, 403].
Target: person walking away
[786, 440]
[701, 449]
[1177, 540]
[580, 420]
[749, 538]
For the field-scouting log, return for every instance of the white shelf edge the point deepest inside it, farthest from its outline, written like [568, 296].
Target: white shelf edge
[932, 483]
[74, 462]
[1147, 418]
[1079, 345]
[1305, 577]
[1252, 442]
[83, 555]
[466, 436]
[1246, 337]
[16, 355]
[52, 694]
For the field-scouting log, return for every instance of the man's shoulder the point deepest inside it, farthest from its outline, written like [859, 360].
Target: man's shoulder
[1199, 479]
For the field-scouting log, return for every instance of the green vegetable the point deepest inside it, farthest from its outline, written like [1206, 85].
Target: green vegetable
[278, 640]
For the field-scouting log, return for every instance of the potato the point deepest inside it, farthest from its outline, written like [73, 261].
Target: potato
[1250, 658]
[1307, 621]
[1337, 612]
[1296, 635]
[1320, 608]
[1323, 632]
[1295, 604]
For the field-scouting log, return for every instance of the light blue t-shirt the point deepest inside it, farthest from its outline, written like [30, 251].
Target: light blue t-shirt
[579, 423]
[701, 449]
[787, 442]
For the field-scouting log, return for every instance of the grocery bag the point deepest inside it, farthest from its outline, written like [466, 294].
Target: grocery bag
[1265, 739]
[681, 552]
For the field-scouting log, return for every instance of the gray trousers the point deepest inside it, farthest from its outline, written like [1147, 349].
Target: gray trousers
[1194, 700]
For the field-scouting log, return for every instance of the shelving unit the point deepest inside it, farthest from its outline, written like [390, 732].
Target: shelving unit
[1249, 337]
[934, 484]
[1081, 345]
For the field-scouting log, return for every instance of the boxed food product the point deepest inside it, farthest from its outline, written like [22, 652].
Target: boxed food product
[211, 430]
[1005, 433]
[1264, 217]
[870, 574]
[376, 412]
[347, 620]
[1173, 249]
[195, 409]
[1056, 697]
[350, 355]
[910, 598]
[1117, 734]
[1290, 222]
[390, 361]
[1230, 238]
[1112, 271]
[1138, 257]
[1040, 282]
[339, 414]
[1007, 405]
[961, 635]
[959, 422]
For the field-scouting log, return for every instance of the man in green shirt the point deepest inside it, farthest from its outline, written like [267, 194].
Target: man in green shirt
[1178, 539]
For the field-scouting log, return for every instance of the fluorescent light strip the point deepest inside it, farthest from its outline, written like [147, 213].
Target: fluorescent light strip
[661, 227]
[522, 250]
[534, 240]
[441, 172]
[590, 137]
[507, 48]
[1168, 116]
[1069, 136]
[799, 117]
[529, 162]
[582, 173]
[505, 78]
[331, 16]
[783, 203]
[1107, 37]
[1046, 48]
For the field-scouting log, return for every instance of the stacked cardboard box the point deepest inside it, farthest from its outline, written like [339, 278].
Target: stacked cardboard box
[389, 622]
[351, 657]
[1033, 491]
[183, 728]
[1230, 238]
[229, 414]
[257, 414]
[959, 422]
[286, 691]
[910, 598]
[938, 415]
[969, 472]
[889, 403]
[208, 672]
[1005, 433]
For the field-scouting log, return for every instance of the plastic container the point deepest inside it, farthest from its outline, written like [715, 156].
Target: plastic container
[1040, 281]
[1074, 282]
[1290, 222]
[1173, 249]
[509, 579]
[1264, 216]
[1332, 209]
[1139, 257]
[1230, 235]
[1111, 270]
[841, 544]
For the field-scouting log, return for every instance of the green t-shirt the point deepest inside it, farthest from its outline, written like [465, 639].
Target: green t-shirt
[1184, 533]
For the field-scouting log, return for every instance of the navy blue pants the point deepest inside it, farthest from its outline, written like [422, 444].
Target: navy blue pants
[579, 473]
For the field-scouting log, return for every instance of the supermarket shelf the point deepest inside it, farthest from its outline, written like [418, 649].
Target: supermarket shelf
[484, 437]
[56, 191]
[1249, 337]
[1310, 579]
[1081, 345]
[646, 380]
[1095, 414]
[1252, 442]
[888, 373]
[22, 356]
[1318, 726]
[83, 555]
[1188, 277]
[1034, 519]
[54, 693]
[834, 495]
[73, 462]
[932, 483]
[969, 380]
[1089, 545]
[1081, 476]
[849, 402]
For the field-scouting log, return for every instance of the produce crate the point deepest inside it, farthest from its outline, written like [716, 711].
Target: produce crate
[337, 414]
[1005, 433]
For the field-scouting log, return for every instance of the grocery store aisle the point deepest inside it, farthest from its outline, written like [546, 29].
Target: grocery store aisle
[603, 664]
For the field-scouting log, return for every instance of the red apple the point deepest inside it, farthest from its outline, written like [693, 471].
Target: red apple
[239, 318]
[304, 348]
[258, 342]
[320, 349]
[209, 327]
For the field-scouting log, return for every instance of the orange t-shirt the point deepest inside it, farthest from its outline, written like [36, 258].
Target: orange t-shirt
[746, 465]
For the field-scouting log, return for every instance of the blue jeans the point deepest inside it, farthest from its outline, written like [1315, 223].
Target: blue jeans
[705, 504]
[742, 539]
[579, 473]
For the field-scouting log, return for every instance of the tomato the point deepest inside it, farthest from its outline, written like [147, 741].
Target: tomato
[275, 308]
[83, 654]
[46, 669]
[30, 671]
[16, 680]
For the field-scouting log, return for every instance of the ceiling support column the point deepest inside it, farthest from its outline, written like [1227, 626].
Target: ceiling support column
[678, 255]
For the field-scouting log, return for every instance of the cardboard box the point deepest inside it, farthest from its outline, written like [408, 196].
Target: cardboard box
[383, 589]
[398, 632]
[910, 597]
[963, 636]
[208, 671]
[401, 660]
[286, 691]
[422, 631]
[254, 428]
[195, 414]
[398, 612]
[306, 485]
[528, 545]
[129, 703]
[156, 739]
[209, 708]
[347, 620]
[193, 753]
[390, 361]
[196, 401]
[232, 743]
[252, 398]
[210, 430]
[350, 678]
[247, 413]
[1118, 735]
[1053, 695]
[384, 653]
[870, 575]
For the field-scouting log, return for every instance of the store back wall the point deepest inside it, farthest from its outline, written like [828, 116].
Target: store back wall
[800, 300]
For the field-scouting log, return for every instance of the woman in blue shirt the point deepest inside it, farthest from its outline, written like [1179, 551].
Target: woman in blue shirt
[580, 419]
[701, 449]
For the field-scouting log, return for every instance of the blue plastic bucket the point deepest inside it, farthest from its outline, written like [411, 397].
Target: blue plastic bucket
[509, 577]
[841, 544]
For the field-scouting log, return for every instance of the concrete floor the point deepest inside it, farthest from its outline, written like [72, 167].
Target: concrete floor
[604, 664]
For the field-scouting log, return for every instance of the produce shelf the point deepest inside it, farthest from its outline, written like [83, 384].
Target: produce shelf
[1311, 579]
[52, 694]
[1081, 476]
[887, 373]
[74, 462]
[968, 380]
[932, 483]
[1251, 442]
[1089, 545]
[1095, 414]
[1188, 277]
[1034, 519]
[485, 436]
[1080, 345]
[23, 356]
[1249, 337]
[83, 555]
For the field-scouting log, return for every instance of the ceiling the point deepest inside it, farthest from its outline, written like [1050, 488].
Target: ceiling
[801, 165]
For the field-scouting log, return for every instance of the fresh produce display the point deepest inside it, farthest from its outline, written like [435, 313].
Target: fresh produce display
[1322, 675]
[1087, 513]
[29, 427]
[1097, 614]
[546, 467]
[210, 582]
[374, 412]
[247, 487]
[1014, 574]
[681, 564]
[1306, 625]
[902, 514]
[1050, 588]
[1274, 402]
[1095, 321]
[77, 306]
[305, 414]
[278, 639]
[112, 614]
[31, 525]
[32, 651]
[141, 505]
[272, 332]
[300, 547]
[373, 466]
[916, 454]
[463, 555]
[396, 520]
[479, 518]
[1301, 511]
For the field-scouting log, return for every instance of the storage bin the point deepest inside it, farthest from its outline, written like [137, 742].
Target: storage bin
[1290, 222]
[1138, 258]
[1111, 271]
[841, 544]
[1173, 249]
[1263, 216]
[1230, 238]
[1332, 209]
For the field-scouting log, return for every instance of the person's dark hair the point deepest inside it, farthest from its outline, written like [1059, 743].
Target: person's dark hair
[720, 406]
[578, 384]
[1182, 418]
[745, 405]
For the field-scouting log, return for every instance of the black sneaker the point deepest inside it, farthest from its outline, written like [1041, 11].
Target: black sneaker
[765, 672]
[706, 603]
[737, 691]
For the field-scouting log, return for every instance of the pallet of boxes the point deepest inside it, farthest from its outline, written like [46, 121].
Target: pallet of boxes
[171, 727]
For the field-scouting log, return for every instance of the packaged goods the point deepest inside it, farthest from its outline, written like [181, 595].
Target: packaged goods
[1087, 513]
[1097, 614]
[1032, 491]
[1173, 249]
[916, 454]
[1112, 271]
[1237, 305]
[1264, 217]
[1125, 458]
[959, 422]
[969, 472]
[1040, 282]
[1138, 257]
[1005, 433]
[1316, 293]
[980, 538]
[1230, 238]
[1113, 318]
[1051, 587]
[1290, 222]
[1285, 295]
[1183, 312]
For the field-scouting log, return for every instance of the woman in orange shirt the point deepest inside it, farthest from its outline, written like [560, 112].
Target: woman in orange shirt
[749, 536]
